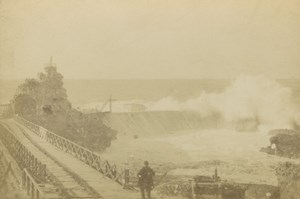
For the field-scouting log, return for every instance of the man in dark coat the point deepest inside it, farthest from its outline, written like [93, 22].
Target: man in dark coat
[145, 180]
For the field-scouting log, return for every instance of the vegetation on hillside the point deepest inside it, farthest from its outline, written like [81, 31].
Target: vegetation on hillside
[45, 95]
[44, 101]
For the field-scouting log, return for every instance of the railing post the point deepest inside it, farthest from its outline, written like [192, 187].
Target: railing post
[44, 171]
[192, 184]
[37, 194]
[29, 162]
[28, 185]
[35, 167]
[24, 179]
[13, 108]
[32, 190]
[126, 177]
[220, 191]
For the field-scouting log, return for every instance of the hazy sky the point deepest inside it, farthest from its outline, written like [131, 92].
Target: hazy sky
[150, 38]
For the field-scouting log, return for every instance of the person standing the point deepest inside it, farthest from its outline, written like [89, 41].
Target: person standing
[145, 180]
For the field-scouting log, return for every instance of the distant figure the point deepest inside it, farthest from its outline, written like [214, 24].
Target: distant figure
[145, 180]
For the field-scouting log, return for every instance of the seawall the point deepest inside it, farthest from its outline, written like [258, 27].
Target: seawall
[158, 122]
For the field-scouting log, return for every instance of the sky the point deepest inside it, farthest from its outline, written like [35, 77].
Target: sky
[156, 39]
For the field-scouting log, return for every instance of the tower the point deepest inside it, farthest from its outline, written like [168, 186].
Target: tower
[50, 67]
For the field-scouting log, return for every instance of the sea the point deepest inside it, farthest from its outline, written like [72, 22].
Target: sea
[85, 91]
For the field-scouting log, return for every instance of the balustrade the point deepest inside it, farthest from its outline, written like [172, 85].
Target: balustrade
[22, 155]
[83, 154]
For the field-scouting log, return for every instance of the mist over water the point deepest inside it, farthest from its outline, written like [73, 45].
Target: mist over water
[256, 100]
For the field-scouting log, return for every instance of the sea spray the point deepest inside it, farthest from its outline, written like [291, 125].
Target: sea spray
[248, 102]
